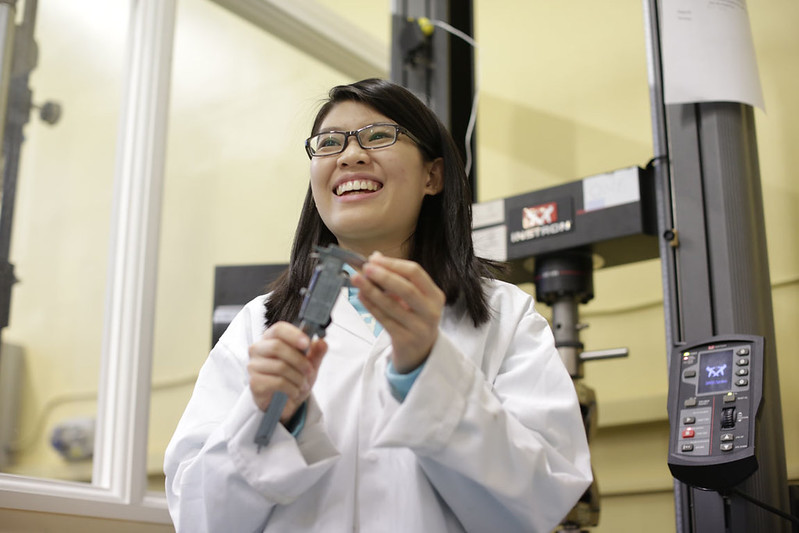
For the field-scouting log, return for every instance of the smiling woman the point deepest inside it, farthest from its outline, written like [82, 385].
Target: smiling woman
[472, 419]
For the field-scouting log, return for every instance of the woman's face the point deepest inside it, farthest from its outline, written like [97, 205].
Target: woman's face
[370, 199]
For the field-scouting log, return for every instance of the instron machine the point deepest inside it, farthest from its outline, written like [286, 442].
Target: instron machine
[698, 206]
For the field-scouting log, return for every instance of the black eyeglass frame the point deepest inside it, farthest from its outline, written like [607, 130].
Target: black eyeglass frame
[347, 134]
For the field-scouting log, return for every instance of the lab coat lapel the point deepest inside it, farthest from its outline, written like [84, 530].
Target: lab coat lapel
[345, 316]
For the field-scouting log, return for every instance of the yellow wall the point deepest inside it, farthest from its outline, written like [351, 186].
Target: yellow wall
[563, 95]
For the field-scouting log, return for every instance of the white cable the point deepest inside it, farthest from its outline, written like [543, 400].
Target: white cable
[454, 31]
[473, 113]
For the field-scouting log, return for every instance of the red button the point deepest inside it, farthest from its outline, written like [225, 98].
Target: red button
[688, 433]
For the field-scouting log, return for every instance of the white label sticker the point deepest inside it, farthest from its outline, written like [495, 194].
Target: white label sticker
[488, 213]
[491, 243]
[611, 189]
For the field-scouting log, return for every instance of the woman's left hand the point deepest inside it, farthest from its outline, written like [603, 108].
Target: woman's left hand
[406, 302]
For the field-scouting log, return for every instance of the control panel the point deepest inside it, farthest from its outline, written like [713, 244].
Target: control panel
[715, 389]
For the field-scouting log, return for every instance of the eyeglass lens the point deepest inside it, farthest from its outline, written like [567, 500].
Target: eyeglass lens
[370, 137]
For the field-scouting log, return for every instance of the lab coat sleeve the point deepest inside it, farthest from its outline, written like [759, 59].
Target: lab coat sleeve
[508, 454]
[216, 480]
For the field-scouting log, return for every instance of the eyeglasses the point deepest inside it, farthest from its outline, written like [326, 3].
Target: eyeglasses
[369, 137]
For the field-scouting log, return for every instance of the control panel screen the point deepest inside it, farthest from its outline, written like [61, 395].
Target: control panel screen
[715, 371]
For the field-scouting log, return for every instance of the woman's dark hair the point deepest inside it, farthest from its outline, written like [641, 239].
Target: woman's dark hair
[442, 242]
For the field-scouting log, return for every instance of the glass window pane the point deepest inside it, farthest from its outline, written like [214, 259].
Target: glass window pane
[241, 107]
[59, 241]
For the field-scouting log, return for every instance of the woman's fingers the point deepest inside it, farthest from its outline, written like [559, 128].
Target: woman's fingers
[395, 289]
[405, 280]
[283, 375]
[286, 342]
[406, 301]
[278, 362]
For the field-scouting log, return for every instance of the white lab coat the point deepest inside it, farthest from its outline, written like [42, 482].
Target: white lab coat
[489, 438]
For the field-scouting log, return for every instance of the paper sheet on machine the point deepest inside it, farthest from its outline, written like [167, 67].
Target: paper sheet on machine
[708, 53]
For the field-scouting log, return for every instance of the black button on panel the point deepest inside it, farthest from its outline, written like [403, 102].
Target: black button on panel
[742, 362]
[743, 351]
[743, 382]
[687, 447]
[726, 447]
[689, 373]
[689, 420]
[742, 372]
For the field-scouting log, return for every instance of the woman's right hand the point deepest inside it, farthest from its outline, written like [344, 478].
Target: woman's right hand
[279, 362]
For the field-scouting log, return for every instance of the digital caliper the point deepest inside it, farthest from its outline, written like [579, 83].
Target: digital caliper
[318, 299]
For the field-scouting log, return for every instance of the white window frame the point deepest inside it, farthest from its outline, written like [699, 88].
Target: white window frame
[119, 485]
[119, 474]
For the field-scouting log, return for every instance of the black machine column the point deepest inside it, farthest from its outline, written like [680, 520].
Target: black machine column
[716, 283]
[722, 286]
[18, 57]
[437, 66]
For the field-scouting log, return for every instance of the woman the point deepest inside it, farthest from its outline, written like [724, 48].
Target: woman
[455, 414]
